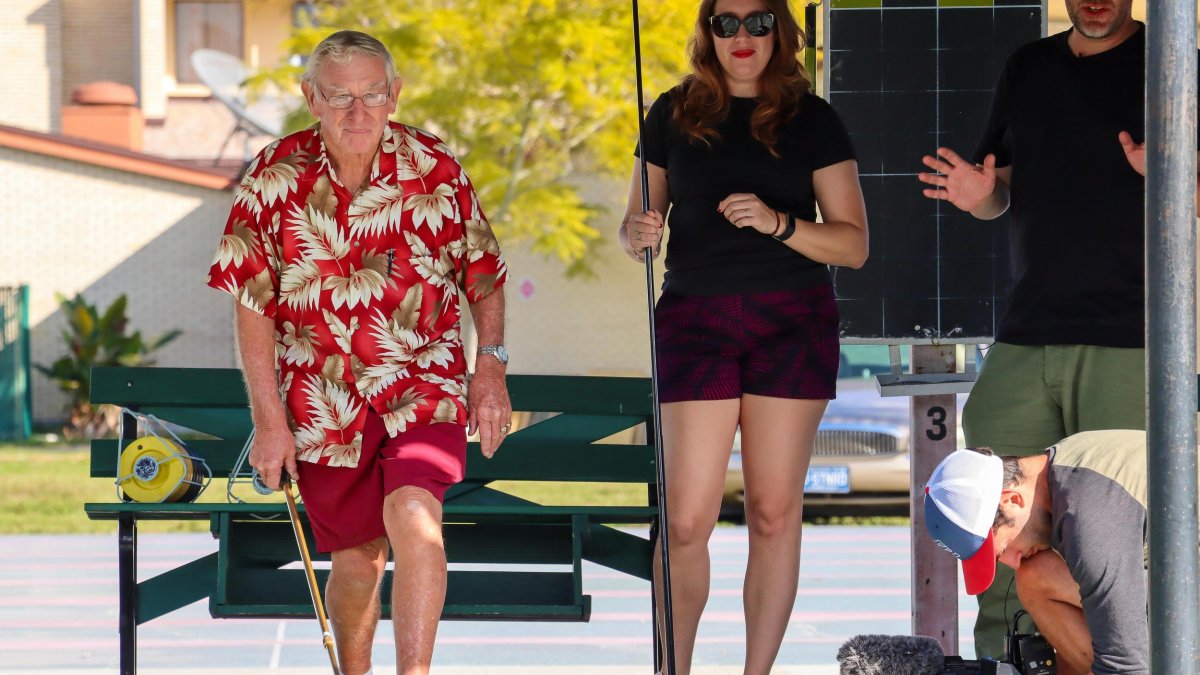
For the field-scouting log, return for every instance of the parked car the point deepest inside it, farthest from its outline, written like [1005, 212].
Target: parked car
[860, 461]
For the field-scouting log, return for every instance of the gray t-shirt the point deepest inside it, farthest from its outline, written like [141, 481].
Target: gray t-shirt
[1098, 525]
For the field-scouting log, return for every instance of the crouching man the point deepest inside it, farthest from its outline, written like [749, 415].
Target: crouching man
[1071, 522]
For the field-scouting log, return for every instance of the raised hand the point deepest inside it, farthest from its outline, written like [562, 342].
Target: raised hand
[957, 181]
[1135, 153]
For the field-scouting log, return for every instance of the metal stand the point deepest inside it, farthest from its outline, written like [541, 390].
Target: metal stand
[1171, 336]
[934, 436]
[668, 628]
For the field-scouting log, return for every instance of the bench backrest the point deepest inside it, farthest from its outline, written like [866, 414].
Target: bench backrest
[563, 447]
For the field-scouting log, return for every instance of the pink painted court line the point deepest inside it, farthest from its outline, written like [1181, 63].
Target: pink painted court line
[14, 646]
[824, 591]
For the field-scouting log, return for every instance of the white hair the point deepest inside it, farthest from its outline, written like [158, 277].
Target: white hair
[343, 45]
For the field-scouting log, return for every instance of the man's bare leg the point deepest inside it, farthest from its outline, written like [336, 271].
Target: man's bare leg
[1050, 594]
[352, 598]
[413, 518]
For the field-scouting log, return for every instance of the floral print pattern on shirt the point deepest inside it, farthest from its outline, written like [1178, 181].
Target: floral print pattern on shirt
[364, 289]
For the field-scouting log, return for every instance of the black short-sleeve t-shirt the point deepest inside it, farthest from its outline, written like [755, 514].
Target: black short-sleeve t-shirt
[708, 255]
[1076, 235]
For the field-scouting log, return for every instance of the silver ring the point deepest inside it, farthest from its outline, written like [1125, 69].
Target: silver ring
[504, 429]
[637, 236]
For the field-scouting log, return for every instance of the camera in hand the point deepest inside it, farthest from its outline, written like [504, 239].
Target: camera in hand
[957, 666]
[1030, 653]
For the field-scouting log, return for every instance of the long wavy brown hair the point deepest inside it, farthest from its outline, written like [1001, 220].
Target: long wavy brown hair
[702, 99]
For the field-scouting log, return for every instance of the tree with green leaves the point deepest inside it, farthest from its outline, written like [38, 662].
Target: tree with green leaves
[536, 97]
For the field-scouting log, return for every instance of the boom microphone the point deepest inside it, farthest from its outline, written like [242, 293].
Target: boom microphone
[891, 655]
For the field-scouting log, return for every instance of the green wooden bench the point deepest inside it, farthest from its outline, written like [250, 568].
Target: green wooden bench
[243, 577]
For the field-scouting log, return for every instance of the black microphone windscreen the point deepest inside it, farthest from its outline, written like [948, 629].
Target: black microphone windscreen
[891, 655]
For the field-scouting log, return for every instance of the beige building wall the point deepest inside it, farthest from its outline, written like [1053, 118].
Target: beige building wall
[584, 326]
[197, 128]
[561, 326]
[31, 46]
[102, 232]
[151, 67]
[267, 24]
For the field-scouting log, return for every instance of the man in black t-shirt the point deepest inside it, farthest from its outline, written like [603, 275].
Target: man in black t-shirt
[1063, 152]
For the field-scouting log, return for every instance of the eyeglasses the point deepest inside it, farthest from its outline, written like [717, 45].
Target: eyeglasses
[757, 24]
[343, 101]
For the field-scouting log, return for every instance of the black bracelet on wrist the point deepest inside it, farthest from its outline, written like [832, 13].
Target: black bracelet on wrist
[788, 230]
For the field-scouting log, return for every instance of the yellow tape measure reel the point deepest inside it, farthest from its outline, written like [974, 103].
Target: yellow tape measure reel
[154, 469]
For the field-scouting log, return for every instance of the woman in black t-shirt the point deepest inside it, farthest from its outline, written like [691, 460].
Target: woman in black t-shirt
[742, 154]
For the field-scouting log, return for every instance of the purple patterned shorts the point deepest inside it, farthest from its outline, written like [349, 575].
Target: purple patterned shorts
[782, 344]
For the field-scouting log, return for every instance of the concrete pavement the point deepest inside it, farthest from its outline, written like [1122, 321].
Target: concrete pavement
[58, 601]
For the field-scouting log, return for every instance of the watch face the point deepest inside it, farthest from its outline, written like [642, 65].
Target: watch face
[497, 351]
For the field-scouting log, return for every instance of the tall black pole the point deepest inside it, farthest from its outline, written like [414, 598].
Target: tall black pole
[1171, 334]
[810, 41]
[668, 617]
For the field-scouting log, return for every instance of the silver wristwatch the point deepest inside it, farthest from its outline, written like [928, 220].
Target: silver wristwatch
[497, 351]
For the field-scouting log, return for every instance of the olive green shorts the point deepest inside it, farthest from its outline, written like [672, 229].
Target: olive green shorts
[1029, 398]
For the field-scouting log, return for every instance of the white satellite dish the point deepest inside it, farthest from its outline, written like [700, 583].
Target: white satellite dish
[225, 75]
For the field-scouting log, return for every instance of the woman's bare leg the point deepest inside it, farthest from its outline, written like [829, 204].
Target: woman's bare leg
[777, 439]
[697, 439]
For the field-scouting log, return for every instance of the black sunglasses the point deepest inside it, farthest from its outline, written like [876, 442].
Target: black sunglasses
[757, 24]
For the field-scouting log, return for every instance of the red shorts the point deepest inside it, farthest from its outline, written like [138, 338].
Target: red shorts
[345, 505]
[782, 344]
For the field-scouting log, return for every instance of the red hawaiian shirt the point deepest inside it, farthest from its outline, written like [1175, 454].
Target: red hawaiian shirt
[363, 288]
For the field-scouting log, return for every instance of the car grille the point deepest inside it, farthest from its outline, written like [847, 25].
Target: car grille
[846, 443]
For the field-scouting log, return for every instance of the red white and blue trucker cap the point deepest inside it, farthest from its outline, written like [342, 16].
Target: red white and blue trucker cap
[960, 506]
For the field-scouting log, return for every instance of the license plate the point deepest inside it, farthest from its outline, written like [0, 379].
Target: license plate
[828, 479]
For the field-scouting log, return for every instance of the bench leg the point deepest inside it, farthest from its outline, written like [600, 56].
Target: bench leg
[127, 587]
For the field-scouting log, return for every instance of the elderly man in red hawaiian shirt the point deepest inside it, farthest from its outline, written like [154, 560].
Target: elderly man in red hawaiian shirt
[346, 249]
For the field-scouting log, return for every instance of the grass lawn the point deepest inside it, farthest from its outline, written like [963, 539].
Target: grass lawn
[43, 488]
